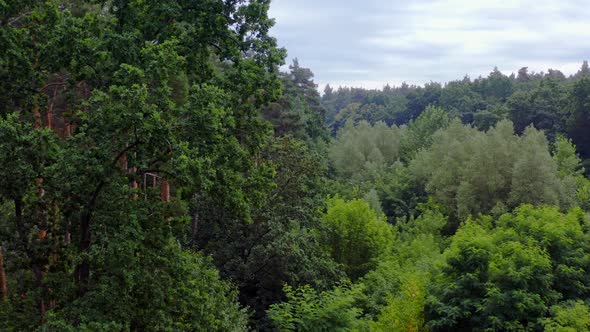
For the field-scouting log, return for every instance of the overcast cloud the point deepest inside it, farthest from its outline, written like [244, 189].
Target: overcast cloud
[373, 42]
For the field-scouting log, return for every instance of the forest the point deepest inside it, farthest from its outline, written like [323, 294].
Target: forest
[159, 171]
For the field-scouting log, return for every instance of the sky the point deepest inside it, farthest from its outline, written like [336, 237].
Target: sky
[371, 43]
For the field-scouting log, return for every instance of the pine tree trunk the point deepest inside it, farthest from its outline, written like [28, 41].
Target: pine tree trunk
[165, 190]
[3, 282]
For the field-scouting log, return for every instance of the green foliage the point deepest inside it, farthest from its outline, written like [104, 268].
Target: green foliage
[542, 107]
[308, 310]
[405, 312]
[372, 197]
[549, 101]
[419, 133]
[136, 94]
[569, 317]
[282, 244]
[298, 112]
[506, 276]
[355, 236]
[363, 152]
[569, 165]
[183, 293]
[400, 193]
[578, 122]
[416, 258]
[471, 172]
[108, 107]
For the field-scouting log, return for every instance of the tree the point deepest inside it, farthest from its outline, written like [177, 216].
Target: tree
[355, 236]
[121, 114]
[470, 172]
[569, 317]
[308, 310]
[578, 122]
[584, 70]
[505, 275]
[419, 133]
[363, 152]
[281, 245]
[542, 107]
[523, 75]
[298, 112]
[534, 177]
[576, 188]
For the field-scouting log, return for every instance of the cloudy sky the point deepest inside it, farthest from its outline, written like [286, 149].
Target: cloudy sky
[373, 42]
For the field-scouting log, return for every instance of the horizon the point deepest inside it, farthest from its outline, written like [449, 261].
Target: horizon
[375, 44]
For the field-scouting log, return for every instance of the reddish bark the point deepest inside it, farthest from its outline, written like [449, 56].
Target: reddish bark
[134, 186]
[123, 162]
[49, 117]
[68, 130]
[40, 190]
[165, 190]
[37, 116]
[42, 309]
[3, 282]
[54, 238]
[68, 238]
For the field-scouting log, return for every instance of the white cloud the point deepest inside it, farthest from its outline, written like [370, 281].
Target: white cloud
[376, 42]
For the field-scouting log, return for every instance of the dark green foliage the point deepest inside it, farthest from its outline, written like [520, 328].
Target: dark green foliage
[142, 188]
[578, 123]
[128, 90]
[298, 112]
[281, 244]
[543, 107]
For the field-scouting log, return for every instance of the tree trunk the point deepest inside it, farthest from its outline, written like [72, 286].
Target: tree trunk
[83, 269]
[37, 116]
[165, 190]
[3, 285]
[49, 117]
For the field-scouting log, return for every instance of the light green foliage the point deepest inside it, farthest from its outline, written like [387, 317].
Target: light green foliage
[405, 311]
[309, 310]
[400, 278]
[355, 236]
[569, 317]
[363, 152]
[419, 132]
[549, 101]
[440, 167]
[471, 172]
[372, 197]
[506, 276]
[534, 177]
[568, 162]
